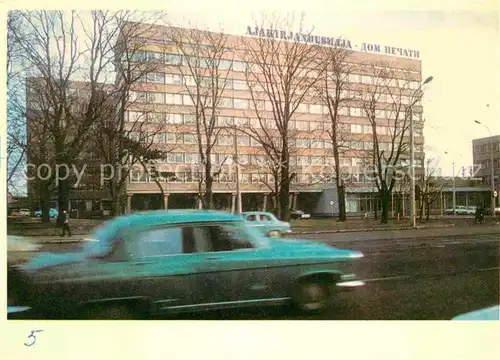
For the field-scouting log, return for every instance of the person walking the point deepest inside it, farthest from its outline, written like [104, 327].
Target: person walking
[65, 224]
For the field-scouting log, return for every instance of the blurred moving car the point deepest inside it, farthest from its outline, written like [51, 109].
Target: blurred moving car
[267, 223]
[164, 262]
[489, 313]
[53, 213]
[20, 249]
[299, 214]
[470, 210]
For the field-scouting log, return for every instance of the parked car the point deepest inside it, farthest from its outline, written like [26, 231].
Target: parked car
[53, 213]
[470, 210]
[299, 214]
[459, 210]
[267, 223]
[489, 313]
[164, 262]
[24, 212]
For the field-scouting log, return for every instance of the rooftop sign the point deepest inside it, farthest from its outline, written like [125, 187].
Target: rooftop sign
[330, 41]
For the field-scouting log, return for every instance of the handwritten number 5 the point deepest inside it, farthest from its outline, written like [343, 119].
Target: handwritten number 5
[32, 335]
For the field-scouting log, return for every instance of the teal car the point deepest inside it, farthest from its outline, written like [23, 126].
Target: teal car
[489, 313]
[266, 223]
[166, 262]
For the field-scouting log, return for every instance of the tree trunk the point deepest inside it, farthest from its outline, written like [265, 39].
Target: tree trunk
[385, 197]
[428, 211]
[44, 203]
[375, 205]
[342, 203]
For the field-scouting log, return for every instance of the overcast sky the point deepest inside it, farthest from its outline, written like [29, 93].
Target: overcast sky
[458, 42]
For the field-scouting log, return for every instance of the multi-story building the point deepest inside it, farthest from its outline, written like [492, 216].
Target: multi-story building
[484, 150]
[87, 195]
[165, 91]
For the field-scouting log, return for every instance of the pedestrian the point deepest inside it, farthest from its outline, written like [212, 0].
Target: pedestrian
[65, 224]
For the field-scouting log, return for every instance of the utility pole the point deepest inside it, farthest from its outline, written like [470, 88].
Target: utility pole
[238, 207]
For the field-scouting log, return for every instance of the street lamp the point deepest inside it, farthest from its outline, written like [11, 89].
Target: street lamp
[492, 168]
[412, 151]
[454, 187]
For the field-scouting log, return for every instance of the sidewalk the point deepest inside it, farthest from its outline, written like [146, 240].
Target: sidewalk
[345, 235]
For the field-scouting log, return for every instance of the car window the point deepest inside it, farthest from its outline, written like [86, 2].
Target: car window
[213, 238]
[264, 217]
[156, 242]
[251, 217]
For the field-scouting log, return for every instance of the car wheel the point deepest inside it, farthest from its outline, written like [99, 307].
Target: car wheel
[313, 296]
[111, 312]
[274, 233]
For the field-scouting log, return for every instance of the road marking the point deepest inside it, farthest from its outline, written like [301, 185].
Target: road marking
[488, 269]
[387, 278]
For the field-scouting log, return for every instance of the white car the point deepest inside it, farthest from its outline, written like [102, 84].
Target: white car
[299, 214]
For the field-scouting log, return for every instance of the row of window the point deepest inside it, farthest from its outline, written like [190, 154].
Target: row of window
[242, 66]
[137, 176]
[233, 84]
[486, 148]
[244, 104]
[258, 160]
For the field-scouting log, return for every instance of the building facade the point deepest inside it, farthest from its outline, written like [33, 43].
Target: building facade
[484, 150]
[164, 96]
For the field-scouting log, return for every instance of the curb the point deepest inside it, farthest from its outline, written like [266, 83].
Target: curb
[374, 229]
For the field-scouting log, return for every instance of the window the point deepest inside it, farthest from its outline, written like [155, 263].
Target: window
[191, 158]
[239, 66]
[302, 125]
[175, 158]
[173, 99]
[157, 117]
[365, 79]
[354, 78]
[268, 106]
[303, 108]
[158, 78]
[225, 140]
[240, 85]
[174, 119]
[156, 97]
[243, 140]
[225, 64]
[343, 110]
[317, 160]
[215, 238]
[137, 176]
[155, 56]
[225, 121]
[255, 123]
[368, 145]
[381, 130]
[240, 104]
[136, 116]
[317, 144]
[241, 121]
[356, 128]
[355, 111]
[188, 139]
[303, 160]
[188, 80]
[316, 109]
[173, 59]
[138, 56]
[367, 129]
[189, 119]
[157, 242]
[187, 100]
[174, 79]
[358, 145]
[254, 142]
[160, 138]
[226, 102]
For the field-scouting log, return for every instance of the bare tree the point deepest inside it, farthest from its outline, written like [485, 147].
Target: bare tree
[281, 73]
[430, 189]
[68, 52]
[333, 90]
[386, 98]
[205, 65]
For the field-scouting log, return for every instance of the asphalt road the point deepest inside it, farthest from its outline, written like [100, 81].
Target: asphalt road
[433, 278]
